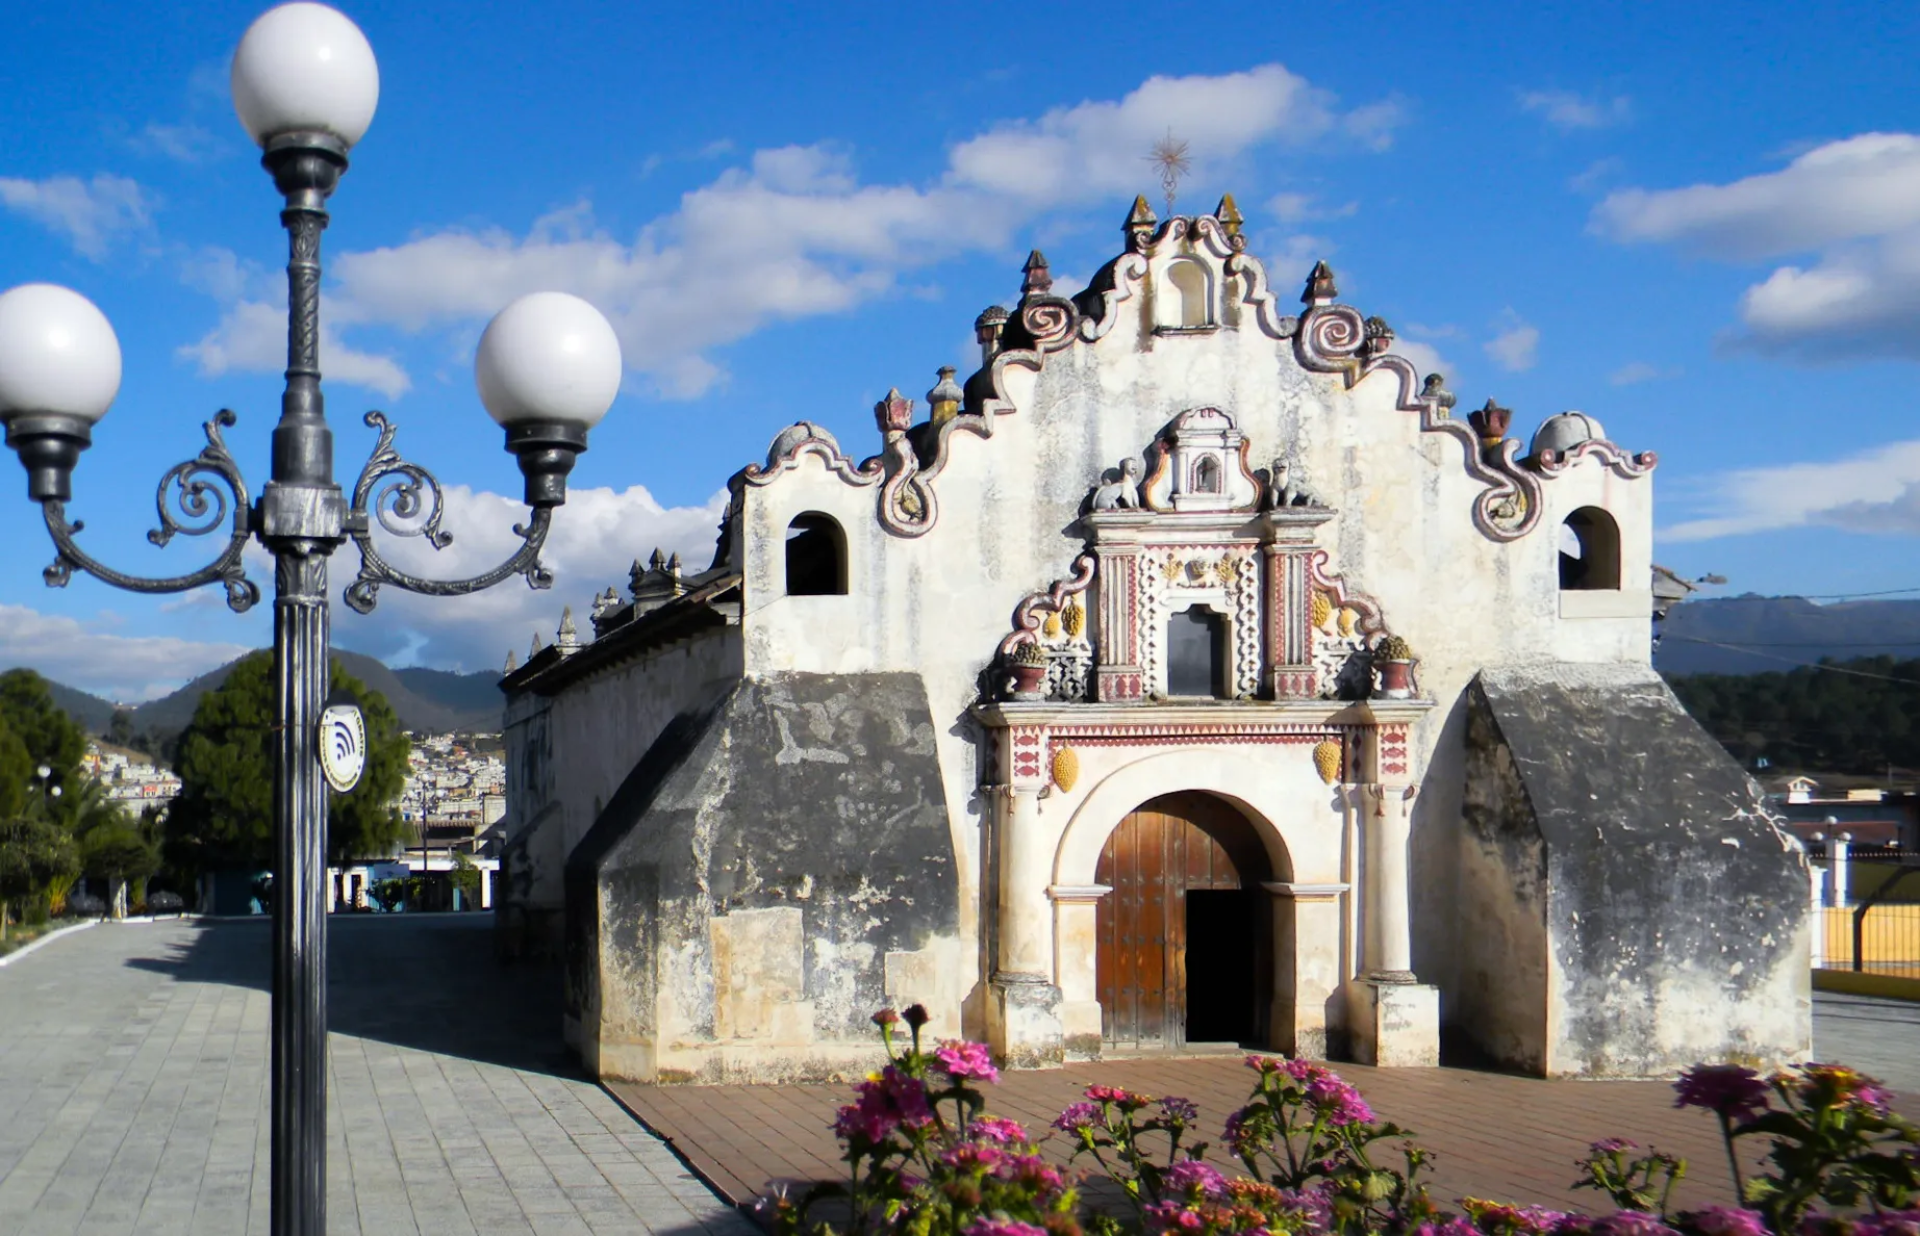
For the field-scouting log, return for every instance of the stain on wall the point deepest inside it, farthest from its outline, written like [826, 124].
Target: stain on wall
[1615, 853]
[778, 866]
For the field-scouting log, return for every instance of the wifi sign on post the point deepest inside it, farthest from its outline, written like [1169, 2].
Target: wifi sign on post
[343, 746]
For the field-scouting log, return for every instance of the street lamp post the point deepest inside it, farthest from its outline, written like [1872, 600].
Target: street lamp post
[305, 85]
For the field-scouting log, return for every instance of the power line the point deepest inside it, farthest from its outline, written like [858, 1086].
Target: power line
[1805, 643]
[1851, 596]
[1838, 669]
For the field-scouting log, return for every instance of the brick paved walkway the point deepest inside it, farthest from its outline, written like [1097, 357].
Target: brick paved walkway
[1494, 1135]
[133, 1095]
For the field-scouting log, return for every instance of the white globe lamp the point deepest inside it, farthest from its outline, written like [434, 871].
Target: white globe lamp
[548, 369]
[305, 68]
[59, 372]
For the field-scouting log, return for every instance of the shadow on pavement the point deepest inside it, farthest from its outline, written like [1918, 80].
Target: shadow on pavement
[428, 981]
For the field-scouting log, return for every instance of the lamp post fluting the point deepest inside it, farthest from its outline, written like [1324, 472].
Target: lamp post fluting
[305, 85]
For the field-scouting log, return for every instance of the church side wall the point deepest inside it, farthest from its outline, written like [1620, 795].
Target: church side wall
[567, 754]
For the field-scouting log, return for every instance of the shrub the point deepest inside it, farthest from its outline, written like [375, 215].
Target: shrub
[925, 1159]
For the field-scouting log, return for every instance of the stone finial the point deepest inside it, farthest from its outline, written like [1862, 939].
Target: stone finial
[1320, 289]
[1140, 223]
[1379, 339]
[604, 603]
[567, 638]
[894, 414]
[513, 663]
[1039, 279]
[1436, 393]
[943, 401]
[673, 566]
[1229, 215]
[534, 649]
[986, 331]
[658, 560]
[1491, 423]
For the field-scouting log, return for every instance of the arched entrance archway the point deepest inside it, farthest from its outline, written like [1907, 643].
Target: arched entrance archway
[1184, 942]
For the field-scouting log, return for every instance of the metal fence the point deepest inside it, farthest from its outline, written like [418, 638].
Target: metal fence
[1879, 939]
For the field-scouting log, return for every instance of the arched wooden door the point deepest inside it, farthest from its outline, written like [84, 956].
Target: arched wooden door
[1184, 949]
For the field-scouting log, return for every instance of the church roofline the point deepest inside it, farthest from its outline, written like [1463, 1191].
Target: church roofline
[710, 606]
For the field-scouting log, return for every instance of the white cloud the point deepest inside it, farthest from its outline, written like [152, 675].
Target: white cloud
[1567, 111]
[185, 143]
[1302, 207]
[252, 335]
[1515, 348]
[1853, 204]
[595, 538]
[1425, 357]
[117, 667]
[1634, 372]
[94, 215]
[1875, 491]
[1589, 179]
[794, 233]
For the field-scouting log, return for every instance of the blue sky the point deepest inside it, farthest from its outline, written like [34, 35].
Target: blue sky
[1699, 223]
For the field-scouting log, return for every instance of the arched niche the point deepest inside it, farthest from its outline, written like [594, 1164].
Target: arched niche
[1188, 300]
[1590, 552]
[816, 556]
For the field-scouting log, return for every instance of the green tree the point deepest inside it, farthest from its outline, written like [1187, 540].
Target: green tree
[465, 879]
[117, 852]
[224, 814]
[50, 735]
[33, 854]
[16, 772]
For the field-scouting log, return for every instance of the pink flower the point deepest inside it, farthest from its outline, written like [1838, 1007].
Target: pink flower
[967, 1061]
[1077, 1116]
[1451, 1226]
[1190, 1175]
[969, 1156]
[1125, 1099]
[1888, 1223]
[1726, 1221]
[1838, 1084]
[1340, 1102]
[998, 1131]
[1727, 1089]
[1631, 1223]
[1614, 1145]
[884, 1102]
[1264, 1064]
[1032, 1171]
[1003, 1227]
[885, 1017]
[1179, 1110]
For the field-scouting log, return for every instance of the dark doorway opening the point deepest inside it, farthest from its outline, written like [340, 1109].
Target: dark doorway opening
[1221, 927]
[1197, 653]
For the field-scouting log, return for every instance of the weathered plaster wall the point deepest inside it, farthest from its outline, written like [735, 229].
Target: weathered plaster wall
[1008, 507]
[775, 869]
[1605, 825]
[567, 754]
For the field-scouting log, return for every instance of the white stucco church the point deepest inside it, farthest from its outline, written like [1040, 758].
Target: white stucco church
[1189, 674]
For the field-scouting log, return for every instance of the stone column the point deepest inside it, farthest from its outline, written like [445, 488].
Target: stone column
[1024, 1021]
[1396, 1017]
[1388, 943]
[486, 888]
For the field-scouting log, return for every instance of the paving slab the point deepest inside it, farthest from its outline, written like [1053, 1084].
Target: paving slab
[133, 1082]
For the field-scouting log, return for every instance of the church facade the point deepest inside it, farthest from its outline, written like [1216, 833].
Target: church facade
[1191, 673]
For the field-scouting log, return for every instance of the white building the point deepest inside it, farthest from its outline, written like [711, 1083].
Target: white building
[1190, 674]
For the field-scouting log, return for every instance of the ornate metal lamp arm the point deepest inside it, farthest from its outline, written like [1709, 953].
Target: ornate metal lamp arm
[200, 489]
[406, 500]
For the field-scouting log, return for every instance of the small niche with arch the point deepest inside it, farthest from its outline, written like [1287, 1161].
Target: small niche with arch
[1185, 302]
[1590, 552]
[816, 558]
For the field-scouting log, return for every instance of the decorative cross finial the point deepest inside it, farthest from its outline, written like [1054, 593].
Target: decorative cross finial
[1320, 289]
[1229, 215]
[1169, 155]
[894, 414]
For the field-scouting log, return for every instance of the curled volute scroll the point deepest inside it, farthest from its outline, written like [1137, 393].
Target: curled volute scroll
[194, 498]
[406, 500]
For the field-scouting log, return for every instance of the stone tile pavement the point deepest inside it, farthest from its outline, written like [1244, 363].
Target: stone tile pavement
[133, 1063]
[1494, 1135]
